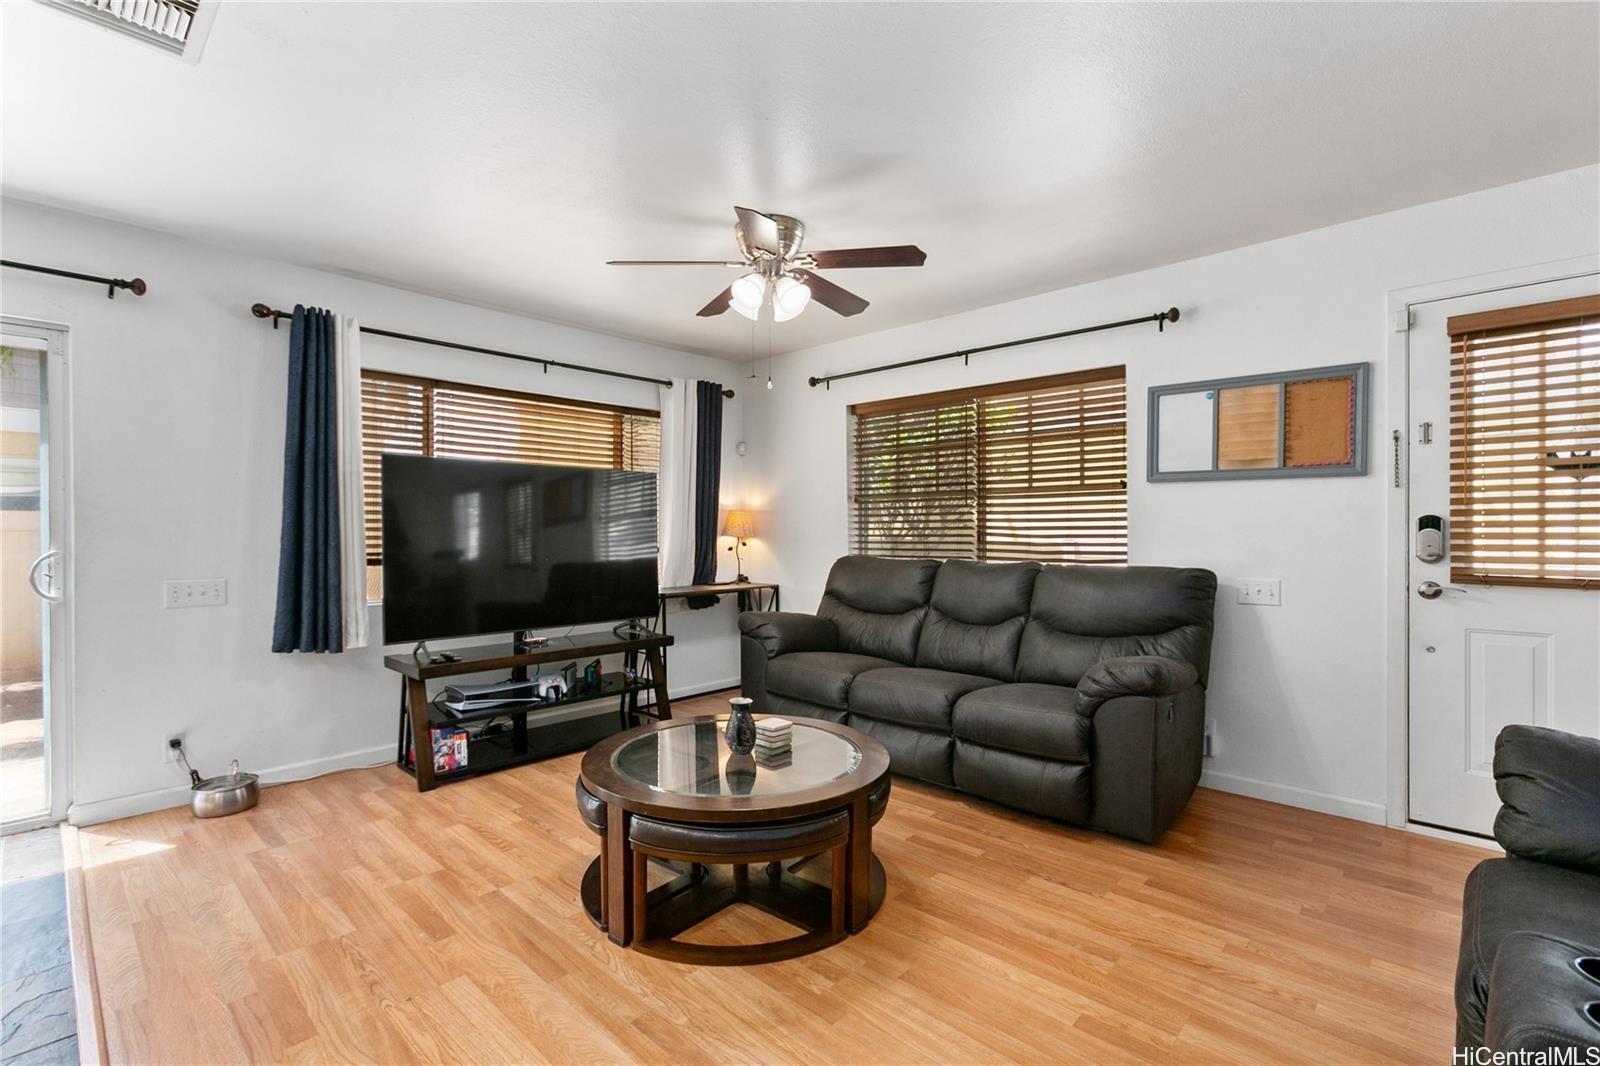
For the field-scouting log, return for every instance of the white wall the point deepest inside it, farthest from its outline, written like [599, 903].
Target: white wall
[177, 402]
[1298, 691]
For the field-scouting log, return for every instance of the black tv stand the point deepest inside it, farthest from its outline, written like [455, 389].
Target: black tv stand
[418, 716]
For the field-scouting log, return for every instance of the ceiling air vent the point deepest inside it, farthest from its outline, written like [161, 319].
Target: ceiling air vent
[177, 26]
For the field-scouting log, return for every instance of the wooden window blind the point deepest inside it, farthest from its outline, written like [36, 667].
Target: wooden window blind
[1525, 445]
[1033, 469]
[420, 416]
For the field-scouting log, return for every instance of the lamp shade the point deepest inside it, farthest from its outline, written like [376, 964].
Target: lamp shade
[738, 524]
[789, 298]
[749, 292]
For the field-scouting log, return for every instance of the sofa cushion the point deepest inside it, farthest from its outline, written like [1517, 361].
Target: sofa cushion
[820, 677]
[912, 695]
[878, 605]
[975, 617]
[916, 753]
[1031, 719]
[1504, 896]
[1080, 615]
[784, 707]
[1549, 785]
[1044, 786]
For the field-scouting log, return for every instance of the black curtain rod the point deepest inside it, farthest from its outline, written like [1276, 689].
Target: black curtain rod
[133, 285]
[1160, 318]
[263, 311]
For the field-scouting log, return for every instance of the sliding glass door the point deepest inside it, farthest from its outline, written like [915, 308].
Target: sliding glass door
[32, 577]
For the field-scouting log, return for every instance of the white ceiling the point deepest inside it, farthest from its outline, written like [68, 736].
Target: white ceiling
[500, 153]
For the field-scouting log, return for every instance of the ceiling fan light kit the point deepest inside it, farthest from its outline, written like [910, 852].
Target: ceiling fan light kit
[789, 298]
[780, 274]
[748, 294]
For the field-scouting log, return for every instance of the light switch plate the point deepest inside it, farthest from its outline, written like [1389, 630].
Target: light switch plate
[200, 592]
[1260, 591]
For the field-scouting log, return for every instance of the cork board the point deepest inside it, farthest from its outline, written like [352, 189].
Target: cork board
[1318, 422]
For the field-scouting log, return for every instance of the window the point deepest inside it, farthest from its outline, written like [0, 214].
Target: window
[1033, 469]
[1525, 445]
[417, 416]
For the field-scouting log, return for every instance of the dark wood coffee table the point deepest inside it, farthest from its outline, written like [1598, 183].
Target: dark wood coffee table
[681, 772]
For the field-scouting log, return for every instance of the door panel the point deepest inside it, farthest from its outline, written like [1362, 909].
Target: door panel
[1481, 657]
[34, 641]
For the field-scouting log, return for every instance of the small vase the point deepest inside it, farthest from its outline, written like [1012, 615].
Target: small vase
[741, 733]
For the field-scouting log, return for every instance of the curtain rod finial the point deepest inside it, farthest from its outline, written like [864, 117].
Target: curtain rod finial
[260, 310]
[1172, 314]
[138, 287]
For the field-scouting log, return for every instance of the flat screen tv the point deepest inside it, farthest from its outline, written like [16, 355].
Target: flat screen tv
[477, 546]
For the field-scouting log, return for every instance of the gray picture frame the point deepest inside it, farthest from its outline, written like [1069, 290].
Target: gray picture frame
[1357, 467]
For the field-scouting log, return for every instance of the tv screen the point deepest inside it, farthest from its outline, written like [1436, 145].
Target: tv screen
[477, 546]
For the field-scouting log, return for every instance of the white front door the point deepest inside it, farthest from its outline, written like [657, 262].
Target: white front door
[1486, 656]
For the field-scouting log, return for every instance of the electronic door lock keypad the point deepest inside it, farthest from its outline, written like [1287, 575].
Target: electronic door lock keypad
[1430, 538]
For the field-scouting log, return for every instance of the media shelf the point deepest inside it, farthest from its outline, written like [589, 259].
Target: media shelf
[534, 729]
[613, 686]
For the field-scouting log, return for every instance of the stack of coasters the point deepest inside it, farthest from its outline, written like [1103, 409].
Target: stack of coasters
[773, 737]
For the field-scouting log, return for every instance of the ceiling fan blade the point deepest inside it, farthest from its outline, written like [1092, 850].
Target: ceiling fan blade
[830, 295]
[719, 303]
[895, 255]
[672, 263]
[760, 231]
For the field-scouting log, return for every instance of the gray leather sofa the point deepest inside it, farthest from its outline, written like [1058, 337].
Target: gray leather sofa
[1528, 977]
[1073, 692]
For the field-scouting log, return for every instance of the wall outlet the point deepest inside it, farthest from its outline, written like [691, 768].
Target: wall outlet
[1209, 740]
[1261, 591]
[167, 747]
[202, 592]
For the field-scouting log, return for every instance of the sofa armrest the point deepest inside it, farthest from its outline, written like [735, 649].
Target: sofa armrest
[1133, 675]
[783, 632]
[1549, 785]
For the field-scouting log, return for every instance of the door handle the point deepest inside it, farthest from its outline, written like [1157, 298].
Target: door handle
[1432, 590]
[38, 570]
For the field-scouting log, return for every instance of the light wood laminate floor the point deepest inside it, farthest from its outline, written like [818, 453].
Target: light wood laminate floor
[349, 918]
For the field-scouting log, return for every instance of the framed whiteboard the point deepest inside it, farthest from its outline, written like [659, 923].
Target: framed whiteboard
[1296, 423]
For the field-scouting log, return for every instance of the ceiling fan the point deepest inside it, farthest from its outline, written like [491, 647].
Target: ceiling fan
[781, 274]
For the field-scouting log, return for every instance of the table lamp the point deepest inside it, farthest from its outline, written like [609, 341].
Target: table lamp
[738, 525]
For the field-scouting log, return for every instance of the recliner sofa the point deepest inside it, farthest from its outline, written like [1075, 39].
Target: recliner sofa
[1074, 692]
[1528, 976]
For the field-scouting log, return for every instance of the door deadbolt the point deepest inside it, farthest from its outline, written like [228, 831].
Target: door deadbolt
[1430, 538]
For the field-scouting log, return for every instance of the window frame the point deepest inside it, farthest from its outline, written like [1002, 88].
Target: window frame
[1507, 477]
[979, 491]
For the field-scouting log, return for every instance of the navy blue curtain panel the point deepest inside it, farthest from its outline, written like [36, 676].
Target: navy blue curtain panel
[309, 616]
[707, 485]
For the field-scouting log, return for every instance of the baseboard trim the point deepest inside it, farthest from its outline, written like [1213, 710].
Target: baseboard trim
[1294, 796]
[108, 810]
[707, 689]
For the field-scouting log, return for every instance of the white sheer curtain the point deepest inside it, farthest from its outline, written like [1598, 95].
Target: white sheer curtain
[675, 483]
[352, 513]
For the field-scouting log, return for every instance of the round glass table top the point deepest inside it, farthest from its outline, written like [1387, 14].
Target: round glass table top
[692, 759]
